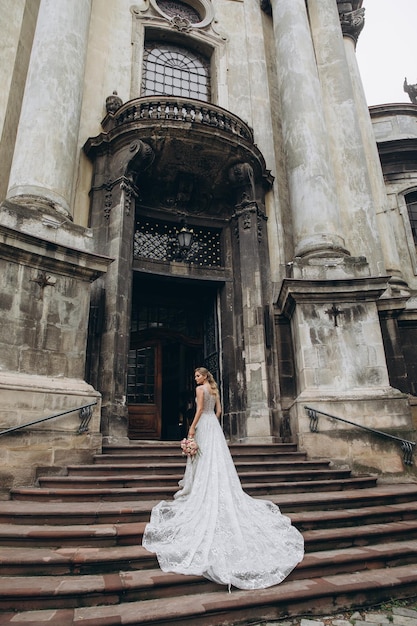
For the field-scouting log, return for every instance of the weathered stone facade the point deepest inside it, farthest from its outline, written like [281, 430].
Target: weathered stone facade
[298, 285]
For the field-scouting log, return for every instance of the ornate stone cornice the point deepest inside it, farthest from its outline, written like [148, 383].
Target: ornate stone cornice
[50, 257]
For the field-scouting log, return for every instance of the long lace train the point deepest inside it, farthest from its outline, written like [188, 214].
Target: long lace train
[214, 529]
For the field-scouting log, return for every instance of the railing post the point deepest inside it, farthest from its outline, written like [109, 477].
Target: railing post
[85, 417]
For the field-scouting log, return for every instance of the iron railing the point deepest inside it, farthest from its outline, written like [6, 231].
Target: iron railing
[86, 412]
[407, 447]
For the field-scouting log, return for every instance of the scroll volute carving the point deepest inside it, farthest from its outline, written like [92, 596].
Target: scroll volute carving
[127, 167]
[242, 180]
[142, 157]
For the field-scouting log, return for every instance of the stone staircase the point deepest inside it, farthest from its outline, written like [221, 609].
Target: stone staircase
[70, 548]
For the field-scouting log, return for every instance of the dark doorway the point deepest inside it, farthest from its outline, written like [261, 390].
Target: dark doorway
[168, 340]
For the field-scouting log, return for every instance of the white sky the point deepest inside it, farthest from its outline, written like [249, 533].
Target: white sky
[387, 49]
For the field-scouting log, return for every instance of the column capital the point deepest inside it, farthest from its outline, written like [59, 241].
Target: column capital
[352, 18]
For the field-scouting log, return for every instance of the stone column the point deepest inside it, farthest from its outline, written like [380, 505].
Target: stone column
[117, 180]
[46, 144]
[17, 26]
[310, 176]
[339, 351]
[346, 145]
[352, 22]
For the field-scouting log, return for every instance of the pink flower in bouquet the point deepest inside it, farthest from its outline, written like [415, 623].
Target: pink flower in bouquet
[189, 447]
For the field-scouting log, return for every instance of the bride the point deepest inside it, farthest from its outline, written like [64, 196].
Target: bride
[213, 528]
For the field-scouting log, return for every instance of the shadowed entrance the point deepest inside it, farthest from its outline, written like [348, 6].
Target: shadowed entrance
[173, 331]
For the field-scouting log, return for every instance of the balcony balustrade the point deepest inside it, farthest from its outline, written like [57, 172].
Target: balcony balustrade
[182, 110]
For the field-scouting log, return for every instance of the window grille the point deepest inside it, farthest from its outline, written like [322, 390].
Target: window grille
[157, 241]
[173, 71]
[411, 200]
[174, 317]
[141, 376]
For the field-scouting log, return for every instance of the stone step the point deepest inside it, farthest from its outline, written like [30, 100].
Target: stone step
[42, 591]
[45, 535]
[70, 549]
[120, 480]
[122, 533]
[95, 511]
[323, 594]
[151, 493]
[75, 559]
[178, 467]
[105, 535]
[30, 512]
[173, 448]
[367, 534]
[174, 456]
[80, 559]
[336, 518]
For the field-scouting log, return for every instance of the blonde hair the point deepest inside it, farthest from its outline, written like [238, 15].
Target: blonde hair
[214, 390]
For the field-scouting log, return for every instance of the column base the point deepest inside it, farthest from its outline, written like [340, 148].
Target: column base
[321, 245]
[40, 198]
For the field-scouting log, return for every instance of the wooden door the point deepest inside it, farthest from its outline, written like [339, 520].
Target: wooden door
[144, 392]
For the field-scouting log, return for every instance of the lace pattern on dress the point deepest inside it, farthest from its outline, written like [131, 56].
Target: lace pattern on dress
[214, 529]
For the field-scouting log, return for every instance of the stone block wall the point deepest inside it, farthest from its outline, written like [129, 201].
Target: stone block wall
[50, 444]
[348, 445]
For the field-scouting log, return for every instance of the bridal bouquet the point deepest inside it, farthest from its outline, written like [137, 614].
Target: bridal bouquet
[189, 447]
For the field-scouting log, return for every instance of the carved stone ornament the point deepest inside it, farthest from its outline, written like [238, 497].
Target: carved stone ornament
[130, 192]
[352, 23]
[242, 179]
[198, 13]
[108, 199]
[245, 214]
[113, 103]
[43, 280]
[141, 157]
[181, 23]
[411, 90]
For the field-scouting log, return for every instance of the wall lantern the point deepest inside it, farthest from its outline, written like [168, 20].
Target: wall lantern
[185, 237]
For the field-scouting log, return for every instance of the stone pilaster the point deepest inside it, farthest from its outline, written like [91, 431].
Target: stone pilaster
[312, 190]
[46, 145]
[115, 188]
[250, 232]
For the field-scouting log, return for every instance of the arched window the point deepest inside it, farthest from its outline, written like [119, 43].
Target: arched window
[411, 201]
[170, 70]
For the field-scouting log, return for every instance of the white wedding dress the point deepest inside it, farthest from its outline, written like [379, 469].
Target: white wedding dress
[213, 528]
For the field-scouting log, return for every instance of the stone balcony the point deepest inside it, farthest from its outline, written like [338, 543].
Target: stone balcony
[185, 111]
[185, 135]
